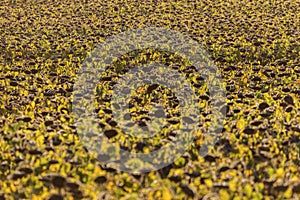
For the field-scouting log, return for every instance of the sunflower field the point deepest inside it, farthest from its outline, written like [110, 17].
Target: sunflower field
[254, 43]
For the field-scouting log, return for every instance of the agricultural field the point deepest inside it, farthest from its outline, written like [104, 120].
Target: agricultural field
[255, 45]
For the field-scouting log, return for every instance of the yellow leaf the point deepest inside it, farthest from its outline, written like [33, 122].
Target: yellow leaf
[13, 187]
[40, 140]
[208, 182]
[166, 194]
[241, 124]
[224, 194]
[248, 190]
[232, 185]
[32, 104]
[288, 193]
[245, 80]
[31, 115]
[280, 172]
[260, 186]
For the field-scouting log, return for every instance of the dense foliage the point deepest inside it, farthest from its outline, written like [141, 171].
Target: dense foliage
[255, 44]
